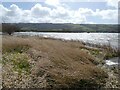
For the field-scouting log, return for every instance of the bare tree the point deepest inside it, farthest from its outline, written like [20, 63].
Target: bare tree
[9, 28]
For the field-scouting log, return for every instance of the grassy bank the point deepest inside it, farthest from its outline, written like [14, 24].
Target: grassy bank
[37, 62]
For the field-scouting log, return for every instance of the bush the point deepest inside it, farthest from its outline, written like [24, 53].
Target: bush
[9, 28]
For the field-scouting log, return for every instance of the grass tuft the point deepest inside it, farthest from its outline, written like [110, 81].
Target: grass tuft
[18, 61]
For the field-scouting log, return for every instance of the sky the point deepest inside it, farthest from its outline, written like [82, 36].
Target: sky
[59, 11]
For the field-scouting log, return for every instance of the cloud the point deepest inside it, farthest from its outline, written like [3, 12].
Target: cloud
[39, 11]
[14, 7]
[40, 14]
[57, 14]
[107, 14]
[13, 11]
[52, 2]
[112, 3]
[85, 11]
[3, 10]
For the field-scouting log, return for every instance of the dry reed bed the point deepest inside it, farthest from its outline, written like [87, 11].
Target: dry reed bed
[52, 63]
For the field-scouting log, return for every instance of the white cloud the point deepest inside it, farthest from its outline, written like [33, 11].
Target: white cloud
[3, 10]
[53, 2]
[14, 11]
[91, 23]
[107, 14]
[40, 14]
[39, 11]
[85, 11]
[58, 14]
[113, 3]
[14, 7]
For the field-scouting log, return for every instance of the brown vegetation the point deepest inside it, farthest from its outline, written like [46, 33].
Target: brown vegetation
[52, 63]
[9, 28]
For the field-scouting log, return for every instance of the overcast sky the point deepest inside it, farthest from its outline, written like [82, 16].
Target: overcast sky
[54, 11]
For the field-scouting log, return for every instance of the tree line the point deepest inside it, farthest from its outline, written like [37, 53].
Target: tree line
[9, 28]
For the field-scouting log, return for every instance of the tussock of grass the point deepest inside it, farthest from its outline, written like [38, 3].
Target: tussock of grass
[55, 63]
[14, 44]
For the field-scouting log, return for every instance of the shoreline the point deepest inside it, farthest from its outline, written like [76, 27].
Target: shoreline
[78, 36]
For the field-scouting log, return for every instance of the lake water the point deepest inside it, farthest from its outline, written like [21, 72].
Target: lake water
[113, 61]
[95, 38]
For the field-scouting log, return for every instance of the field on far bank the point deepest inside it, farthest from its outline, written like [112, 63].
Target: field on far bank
[37, 62]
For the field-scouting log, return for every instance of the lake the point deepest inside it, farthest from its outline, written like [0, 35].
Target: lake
[94, 38]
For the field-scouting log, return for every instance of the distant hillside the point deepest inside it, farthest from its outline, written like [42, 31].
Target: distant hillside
[49, 27]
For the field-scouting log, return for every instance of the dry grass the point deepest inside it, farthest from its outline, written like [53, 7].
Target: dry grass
[12, 44]
[60, 63]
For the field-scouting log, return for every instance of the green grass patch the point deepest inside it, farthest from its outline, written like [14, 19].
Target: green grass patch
[19, 61]
[95, 52]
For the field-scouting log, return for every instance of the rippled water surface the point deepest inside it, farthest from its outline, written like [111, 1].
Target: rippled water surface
[96, 38]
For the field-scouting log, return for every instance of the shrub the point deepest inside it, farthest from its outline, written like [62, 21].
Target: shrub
[9, 28]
